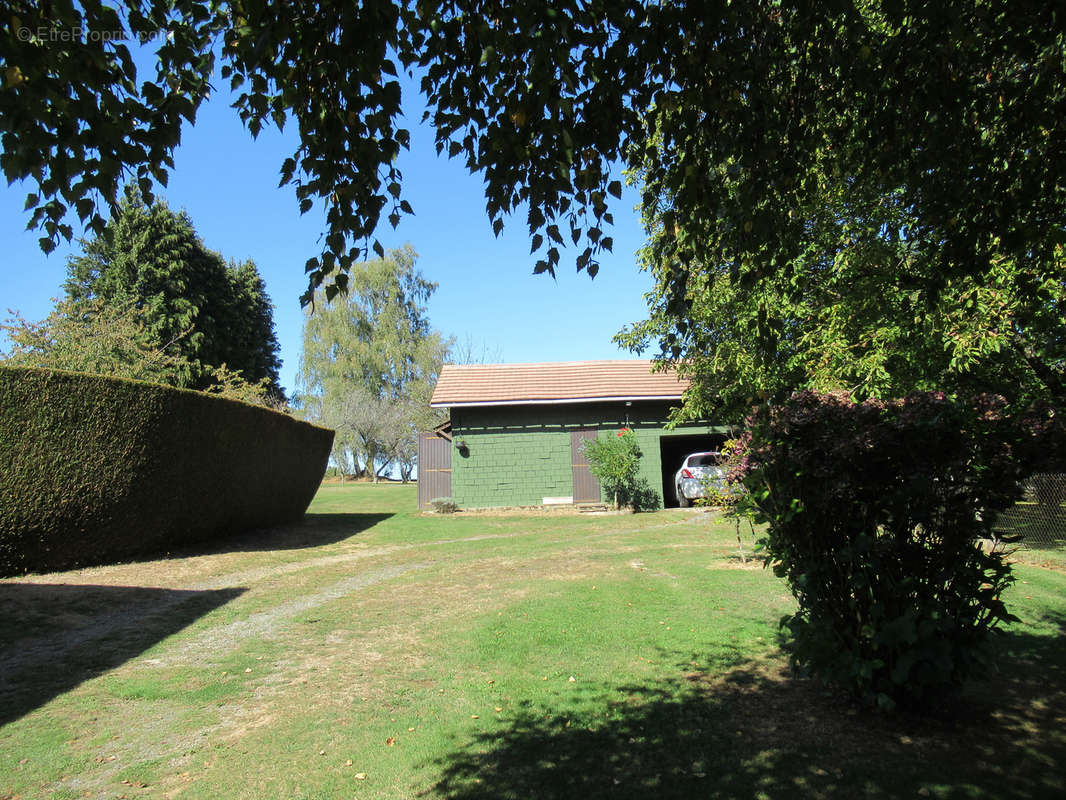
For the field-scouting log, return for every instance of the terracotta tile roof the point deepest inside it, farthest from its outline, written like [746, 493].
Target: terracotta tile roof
[556, 382]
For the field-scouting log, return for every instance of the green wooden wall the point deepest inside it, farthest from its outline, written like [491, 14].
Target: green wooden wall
[518, 455]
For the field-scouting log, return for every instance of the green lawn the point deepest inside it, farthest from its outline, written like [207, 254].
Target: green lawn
[372, 652]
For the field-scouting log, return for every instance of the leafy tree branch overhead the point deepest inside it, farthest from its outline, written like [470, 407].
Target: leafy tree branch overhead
[855, 310]
[740, 113]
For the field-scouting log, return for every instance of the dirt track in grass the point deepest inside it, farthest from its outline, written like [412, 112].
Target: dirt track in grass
[181, 618]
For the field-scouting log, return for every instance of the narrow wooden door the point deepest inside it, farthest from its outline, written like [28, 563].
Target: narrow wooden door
[434, 467]
[586, 487]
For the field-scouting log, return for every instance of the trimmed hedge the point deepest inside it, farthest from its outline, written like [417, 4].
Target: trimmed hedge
[96, 469]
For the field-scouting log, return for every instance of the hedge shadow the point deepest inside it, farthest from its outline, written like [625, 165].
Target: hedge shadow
[54, 636]
[314, 530]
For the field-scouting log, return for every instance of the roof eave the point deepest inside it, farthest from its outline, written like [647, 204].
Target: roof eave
[556, 401]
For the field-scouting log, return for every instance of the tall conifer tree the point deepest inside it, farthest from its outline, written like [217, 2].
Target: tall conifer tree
[214, 314]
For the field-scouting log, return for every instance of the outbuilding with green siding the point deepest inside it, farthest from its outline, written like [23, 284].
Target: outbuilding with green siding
[515, 431]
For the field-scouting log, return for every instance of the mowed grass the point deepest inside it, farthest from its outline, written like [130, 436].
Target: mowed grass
[373, 652]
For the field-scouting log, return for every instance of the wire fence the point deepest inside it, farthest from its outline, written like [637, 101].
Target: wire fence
[1040, 517]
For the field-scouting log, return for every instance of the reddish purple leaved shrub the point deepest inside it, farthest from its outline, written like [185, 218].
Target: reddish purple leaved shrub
[880, 518]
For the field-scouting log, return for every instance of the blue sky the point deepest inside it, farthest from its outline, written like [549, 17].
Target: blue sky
[487, 293]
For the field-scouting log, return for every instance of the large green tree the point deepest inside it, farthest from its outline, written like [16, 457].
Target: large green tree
[856, 310]
[189, 299]
[738, 112]
[370, 361]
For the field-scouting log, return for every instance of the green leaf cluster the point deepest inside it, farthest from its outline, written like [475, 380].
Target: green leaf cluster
[860, 316]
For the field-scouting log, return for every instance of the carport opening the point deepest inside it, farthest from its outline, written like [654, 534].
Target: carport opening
[674, 449]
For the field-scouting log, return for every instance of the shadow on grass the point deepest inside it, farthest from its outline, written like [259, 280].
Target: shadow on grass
[314, 530]
[755, 732]
[54, 636]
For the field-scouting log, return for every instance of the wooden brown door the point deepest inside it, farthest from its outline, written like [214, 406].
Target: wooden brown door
[586, 487]
[434, 467]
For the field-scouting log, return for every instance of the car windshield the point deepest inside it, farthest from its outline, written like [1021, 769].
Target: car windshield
[703, 460]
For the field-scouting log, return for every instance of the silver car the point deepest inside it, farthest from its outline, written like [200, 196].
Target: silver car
[697, 471]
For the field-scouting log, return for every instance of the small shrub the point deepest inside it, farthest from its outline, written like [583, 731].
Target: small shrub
[615, 460]
[876, 513]
[444, 505]
[96, 337]
[640, 496]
